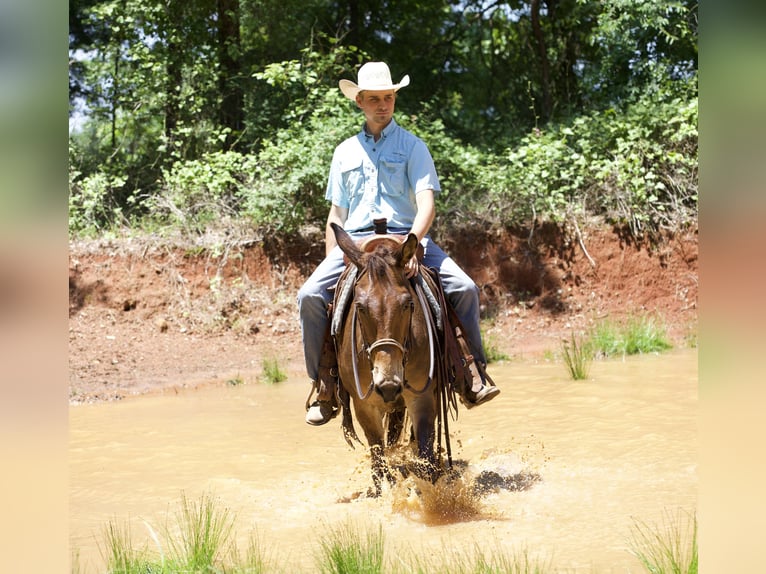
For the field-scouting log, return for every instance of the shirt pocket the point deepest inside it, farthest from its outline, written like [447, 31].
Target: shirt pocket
[393, 175]
[352, 176]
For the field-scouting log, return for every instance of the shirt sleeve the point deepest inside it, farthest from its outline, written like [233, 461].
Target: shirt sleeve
[334, 192]
[422, 171]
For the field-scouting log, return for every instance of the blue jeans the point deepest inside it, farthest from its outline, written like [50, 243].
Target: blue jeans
[314, 297]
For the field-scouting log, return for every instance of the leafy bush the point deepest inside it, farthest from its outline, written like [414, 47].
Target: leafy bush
[290, 173]
[197, 192]
[92, 205]
[636, 167]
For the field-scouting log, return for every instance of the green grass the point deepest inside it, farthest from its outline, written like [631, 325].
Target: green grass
[491, 351]
[347, 549]
[201, 541]
[667, 548]
[120, 555]
[479, 561]
[639, 335]
[577, 358]
[204, 535]
[645, 335]
[271, 372]
[235, 381]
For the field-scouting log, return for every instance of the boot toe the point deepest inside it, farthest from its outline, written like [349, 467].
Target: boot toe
[484, 395]
[320, 412]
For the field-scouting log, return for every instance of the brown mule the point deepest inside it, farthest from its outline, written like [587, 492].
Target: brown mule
[385, 354]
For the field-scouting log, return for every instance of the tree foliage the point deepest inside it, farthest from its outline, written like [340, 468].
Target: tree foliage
[190, 112]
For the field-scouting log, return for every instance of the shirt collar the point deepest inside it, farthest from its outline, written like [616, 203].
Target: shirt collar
[387, 131]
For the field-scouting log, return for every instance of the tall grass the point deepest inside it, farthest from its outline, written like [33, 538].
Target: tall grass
[272, 372]
[492, 352]
[577, 358]
[120, 555]
[669, 548]
[639, 334]
[204, 535]
[201, 540]
[645, 335]
[479, 561]
[348, 549]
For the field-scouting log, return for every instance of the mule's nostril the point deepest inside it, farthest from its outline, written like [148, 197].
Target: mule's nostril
[388, 390]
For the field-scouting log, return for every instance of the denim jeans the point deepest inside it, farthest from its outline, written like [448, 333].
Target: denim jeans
[314, 297]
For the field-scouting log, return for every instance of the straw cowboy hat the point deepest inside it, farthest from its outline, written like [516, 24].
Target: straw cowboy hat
[372, 76]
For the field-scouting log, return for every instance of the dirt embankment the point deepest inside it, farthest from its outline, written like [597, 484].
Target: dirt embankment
[145, 317]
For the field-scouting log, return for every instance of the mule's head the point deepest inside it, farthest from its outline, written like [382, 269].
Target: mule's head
[383, 306]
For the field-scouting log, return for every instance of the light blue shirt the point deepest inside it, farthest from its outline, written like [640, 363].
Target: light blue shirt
[380, 179]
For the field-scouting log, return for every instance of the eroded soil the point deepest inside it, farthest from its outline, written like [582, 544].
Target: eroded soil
[148, 317]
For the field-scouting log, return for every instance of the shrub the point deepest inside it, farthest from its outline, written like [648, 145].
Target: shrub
[92, 205]
[197, 192]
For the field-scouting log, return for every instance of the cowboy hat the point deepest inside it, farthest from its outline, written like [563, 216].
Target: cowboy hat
[372, 76]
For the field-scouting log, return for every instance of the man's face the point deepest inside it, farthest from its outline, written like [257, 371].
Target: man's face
[378, 106]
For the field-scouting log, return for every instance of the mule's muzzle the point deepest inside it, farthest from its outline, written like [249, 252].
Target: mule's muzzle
[389, 390]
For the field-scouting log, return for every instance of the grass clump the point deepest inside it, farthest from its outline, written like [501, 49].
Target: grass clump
[477, 561]
[638, 335]
[235, 381]
[272, 373]
[120, 555]
[200, 540]
[644, 335]
[577, 358]
[669, 548]
[348, 549]
[204, 534]
[491, 351]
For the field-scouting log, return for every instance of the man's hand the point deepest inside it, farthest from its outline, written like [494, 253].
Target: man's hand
[412, 267]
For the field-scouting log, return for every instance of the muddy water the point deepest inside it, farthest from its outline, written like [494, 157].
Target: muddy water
[619, 446]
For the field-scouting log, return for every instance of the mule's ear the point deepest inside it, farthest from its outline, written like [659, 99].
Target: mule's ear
[409, 248]
[347, 244]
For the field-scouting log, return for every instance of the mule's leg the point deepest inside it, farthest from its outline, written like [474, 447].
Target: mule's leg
[379, 469]
[425, 435]
[371, 421]
[423, 414]
[395, 425]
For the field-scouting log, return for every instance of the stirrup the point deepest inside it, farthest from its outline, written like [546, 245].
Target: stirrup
[488, 390]
[320, 413]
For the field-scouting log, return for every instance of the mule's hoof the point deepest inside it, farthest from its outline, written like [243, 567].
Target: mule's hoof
[320, 412]
[486, 394]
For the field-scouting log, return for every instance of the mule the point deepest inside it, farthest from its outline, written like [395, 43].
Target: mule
[385, 354]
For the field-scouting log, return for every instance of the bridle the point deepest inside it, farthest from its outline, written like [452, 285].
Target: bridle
[389, 342]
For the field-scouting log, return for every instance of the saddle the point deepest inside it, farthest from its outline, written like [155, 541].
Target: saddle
[368, 244]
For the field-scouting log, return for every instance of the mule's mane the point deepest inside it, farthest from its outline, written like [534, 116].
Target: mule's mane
[380, 263]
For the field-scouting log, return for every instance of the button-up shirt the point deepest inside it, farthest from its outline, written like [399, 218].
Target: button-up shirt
[380, 179]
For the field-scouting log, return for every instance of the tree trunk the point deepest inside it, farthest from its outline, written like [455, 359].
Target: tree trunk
[173, 68]
[545, 79]
[354, 23]
[229, 79]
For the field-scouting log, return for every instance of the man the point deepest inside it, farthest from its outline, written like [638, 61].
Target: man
[382, 172]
